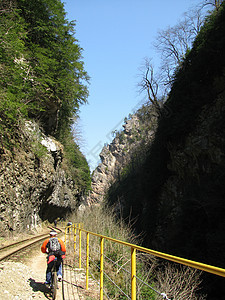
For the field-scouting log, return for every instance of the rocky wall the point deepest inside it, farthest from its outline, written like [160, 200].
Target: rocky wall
[33, 183]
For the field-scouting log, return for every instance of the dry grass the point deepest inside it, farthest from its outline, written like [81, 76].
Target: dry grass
[178, 282]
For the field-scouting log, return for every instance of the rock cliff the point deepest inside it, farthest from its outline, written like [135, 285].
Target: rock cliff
[34, 183]
[138, 131]
[176, 196]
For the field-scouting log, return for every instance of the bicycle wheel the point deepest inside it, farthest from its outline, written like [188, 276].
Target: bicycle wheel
[62, 281]
[54, 284]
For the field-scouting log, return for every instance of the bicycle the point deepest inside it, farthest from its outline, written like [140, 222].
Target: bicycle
[54, 280]
[54, 277]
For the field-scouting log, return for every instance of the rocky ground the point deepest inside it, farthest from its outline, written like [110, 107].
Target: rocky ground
[24, 280]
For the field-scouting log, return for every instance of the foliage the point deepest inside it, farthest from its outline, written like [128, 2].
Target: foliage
[55, 58]
[77, 163]
[42, 73]
[42, 76]
[12, 87]
[39, 150]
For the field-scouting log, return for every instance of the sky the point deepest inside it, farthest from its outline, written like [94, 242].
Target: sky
[116, 36]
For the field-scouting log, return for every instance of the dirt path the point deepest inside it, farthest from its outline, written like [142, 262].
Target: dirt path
[37, 264]
[24, 280]
[76, 291]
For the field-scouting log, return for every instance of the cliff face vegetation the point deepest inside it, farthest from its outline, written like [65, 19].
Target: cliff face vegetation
[43, 173]
[176, 195]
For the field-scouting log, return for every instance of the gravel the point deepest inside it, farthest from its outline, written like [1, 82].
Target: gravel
[17, 281]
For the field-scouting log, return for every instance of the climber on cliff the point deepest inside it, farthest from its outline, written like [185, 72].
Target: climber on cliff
[56, 250]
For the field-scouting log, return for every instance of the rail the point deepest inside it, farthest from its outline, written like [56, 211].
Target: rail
[19, 246]
[10, 249]
[77, 229]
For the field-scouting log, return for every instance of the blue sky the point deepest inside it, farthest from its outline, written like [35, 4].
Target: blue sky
[116, 36]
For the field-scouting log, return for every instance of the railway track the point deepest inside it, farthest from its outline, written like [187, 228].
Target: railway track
[15, 248]
[7, 252]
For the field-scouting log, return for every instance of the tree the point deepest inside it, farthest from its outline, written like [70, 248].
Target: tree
[149, 84]
[215, 3]
[175, 42]
[58, 87]
[13, 68]
[42, 72]
[42, 76]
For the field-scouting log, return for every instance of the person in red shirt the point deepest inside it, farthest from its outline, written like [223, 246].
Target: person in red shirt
[53, 255]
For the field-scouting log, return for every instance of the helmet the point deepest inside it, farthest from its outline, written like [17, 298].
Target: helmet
[53, 232]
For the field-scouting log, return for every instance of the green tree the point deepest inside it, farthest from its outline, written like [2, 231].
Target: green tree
[55, 58]
[13, 68]
[42, 75]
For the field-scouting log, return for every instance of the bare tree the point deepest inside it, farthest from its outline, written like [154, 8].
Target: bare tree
[179, 282]
[149, 84]
[174, 42]
[215, 3]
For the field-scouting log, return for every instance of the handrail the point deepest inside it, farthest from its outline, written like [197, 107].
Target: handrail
[190, 263]
[197, 265]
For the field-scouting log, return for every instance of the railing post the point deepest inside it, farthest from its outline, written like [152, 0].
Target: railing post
[87, 260]
[101, 268]
[79, 247]
[70, 234]
[75, 237]
[133, 274]
[65, 235]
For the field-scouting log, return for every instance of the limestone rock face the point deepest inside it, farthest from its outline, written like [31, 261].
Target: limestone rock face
[33, 183]
[117, 154]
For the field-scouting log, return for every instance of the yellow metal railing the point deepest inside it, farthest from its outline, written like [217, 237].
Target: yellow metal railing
[197, 265]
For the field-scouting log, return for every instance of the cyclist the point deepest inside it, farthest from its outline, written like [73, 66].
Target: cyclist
[56, 250]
